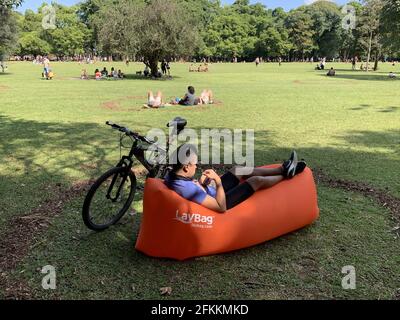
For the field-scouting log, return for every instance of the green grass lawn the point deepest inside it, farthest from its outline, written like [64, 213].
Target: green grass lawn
[52, 133]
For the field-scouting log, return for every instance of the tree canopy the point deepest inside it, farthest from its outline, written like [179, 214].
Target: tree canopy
[8, 26]
[153, 29]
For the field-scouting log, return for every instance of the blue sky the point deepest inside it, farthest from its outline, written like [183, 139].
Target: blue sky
[287, 4]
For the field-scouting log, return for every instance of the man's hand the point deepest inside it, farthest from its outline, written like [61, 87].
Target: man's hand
[211, 174]
[204, 180]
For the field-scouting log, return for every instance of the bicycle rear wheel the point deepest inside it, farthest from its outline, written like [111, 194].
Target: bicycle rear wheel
[109, 198]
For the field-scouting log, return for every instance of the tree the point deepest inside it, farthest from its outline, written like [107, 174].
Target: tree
[31, 43]
[8, 27]
[154, 30]
[326, 24]
[390, 19]
[230, 35]
[70, 35]
[273, 42]
[8, 4]
[87, 13]
[371, 29]
[350, 45]
[301, 33]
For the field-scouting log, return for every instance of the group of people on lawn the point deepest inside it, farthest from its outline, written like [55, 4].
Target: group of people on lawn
[189, 99]
[201, 68]
[104, 74]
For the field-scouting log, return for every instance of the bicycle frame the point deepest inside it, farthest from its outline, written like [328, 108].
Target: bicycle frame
[127, 162]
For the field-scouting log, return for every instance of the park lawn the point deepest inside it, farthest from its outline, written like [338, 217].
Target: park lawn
[53, 133]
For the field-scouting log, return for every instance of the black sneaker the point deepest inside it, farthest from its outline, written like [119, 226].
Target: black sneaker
[300, 167]
[289, 166]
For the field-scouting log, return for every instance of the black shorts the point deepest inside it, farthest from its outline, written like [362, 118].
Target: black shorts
[235, 192]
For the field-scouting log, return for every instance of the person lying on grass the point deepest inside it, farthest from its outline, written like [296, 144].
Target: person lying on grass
[154, 101]
[157, 101]
[223, 193]
[206, 97]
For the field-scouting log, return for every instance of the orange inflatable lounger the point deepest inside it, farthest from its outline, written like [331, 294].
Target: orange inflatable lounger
[173, 227]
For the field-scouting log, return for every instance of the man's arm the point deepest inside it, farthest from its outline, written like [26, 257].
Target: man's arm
[219, 202]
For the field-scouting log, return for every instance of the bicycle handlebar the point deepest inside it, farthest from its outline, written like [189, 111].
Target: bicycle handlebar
[128, 132]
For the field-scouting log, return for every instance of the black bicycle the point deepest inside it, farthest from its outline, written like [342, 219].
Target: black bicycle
[111, 196]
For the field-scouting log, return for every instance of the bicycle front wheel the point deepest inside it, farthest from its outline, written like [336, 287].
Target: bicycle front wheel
[109, 198]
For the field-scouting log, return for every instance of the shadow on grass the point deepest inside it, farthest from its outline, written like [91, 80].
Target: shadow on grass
[291, 266]
[389, 109]
[275, 269]
[41, 155]
[141, 77]
[21, 140]
[364, 76]
[360, 107]
[389, 140]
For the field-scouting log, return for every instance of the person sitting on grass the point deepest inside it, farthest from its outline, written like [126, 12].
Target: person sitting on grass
[203, 68]
[84, 75]
[111, 74]
[120, 74]
[188, 100]
[331, 73]
[104, 73]
[97, 74]
[114, 74]
[193, 68]
[223, 193]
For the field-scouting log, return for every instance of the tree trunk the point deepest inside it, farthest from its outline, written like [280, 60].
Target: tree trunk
[153, 65]
[369, 51]
[376, 60]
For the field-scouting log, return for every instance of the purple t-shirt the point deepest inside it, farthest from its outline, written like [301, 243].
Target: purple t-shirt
[189, 189]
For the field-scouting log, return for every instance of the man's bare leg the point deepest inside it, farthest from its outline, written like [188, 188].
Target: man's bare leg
[210, 95]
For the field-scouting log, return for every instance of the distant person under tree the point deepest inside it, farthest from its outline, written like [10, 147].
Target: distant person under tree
[331, 72]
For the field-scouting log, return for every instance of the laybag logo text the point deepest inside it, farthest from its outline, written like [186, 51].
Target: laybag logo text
[195, 219]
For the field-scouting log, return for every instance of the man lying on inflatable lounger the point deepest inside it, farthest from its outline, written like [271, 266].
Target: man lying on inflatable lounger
[228, 191]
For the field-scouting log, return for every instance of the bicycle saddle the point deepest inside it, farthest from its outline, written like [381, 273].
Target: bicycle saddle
[179, 123]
